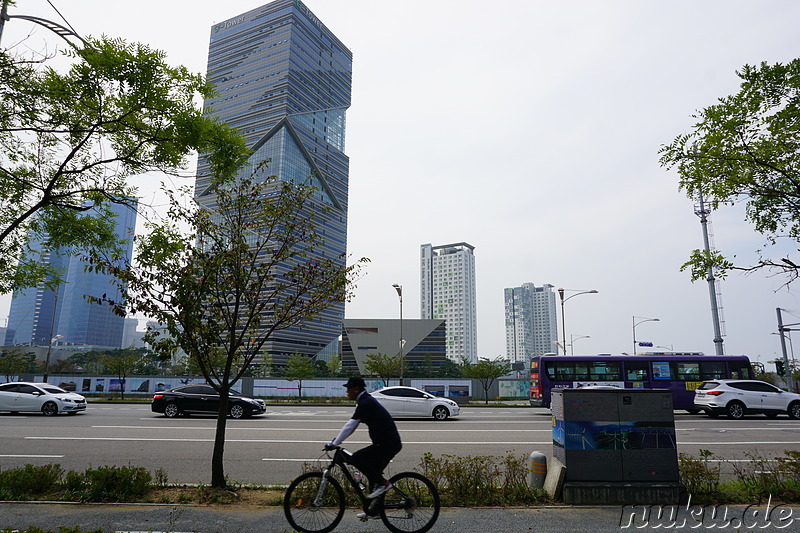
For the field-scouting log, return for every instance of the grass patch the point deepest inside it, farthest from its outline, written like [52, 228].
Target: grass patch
[757, 479]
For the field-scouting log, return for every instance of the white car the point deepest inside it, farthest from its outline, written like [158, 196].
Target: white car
[737, 397]
[49, 399]
[411, 402]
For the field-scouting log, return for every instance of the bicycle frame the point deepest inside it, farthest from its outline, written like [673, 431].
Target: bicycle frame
[370, 506]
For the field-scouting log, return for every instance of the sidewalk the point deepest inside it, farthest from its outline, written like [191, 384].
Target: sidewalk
[218, 519]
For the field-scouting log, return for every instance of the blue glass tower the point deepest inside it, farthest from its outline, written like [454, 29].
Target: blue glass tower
[283, 81]
[39, 312]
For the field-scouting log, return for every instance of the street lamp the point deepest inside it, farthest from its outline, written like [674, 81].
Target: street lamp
[563, 325]
[642, 321]
[49, 347]
[399, 289]
[55, 27]
[573, 338]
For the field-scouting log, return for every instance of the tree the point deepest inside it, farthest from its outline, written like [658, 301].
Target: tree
[14, 362]
[72, 140]
[121, 364]
[747, 148]
[298, 368]
[247, 269]
[384, 366]
[486, 371]
[334, 365]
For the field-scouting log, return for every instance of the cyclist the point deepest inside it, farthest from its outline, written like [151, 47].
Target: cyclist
[373, 459]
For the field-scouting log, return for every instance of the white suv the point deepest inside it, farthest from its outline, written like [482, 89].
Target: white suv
[737, 397]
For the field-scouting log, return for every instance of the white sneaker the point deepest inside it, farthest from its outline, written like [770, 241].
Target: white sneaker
[380, 489]
[364, 517]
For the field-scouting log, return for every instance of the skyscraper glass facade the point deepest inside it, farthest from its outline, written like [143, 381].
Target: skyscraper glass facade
[39, 312]
[283, 81]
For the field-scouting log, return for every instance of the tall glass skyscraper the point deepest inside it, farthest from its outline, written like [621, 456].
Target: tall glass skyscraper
[37, 313]
[283, 81]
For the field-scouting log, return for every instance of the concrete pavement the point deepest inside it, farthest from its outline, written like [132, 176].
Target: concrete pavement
[221, 519]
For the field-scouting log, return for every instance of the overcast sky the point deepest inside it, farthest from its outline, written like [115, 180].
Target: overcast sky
[529, 129]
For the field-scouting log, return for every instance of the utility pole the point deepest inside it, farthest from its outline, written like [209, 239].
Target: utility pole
[713, 292]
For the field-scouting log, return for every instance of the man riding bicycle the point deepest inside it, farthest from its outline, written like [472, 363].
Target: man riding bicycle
[373, 459]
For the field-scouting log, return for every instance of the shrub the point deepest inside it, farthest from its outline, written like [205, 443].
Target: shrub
[480, 480]
[29, 481]
[117, 483]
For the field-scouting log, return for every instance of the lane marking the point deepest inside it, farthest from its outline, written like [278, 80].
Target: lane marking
[212, 428]
[283, 441]
[34, 456]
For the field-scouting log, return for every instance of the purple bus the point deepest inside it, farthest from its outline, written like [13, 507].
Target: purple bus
[679, 372]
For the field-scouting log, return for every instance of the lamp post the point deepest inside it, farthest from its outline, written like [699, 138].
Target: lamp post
[55, 27]
[573, 338]
[563, 325]
[399, 289]
[642, 321]
[781, 328]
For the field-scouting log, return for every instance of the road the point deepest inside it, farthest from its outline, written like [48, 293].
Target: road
[270, 449]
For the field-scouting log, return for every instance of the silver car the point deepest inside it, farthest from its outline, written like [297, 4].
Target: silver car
[737, 397]
[411, 402]
[48, 399]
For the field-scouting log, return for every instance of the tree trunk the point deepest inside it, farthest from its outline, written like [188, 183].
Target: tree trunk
[217, 465]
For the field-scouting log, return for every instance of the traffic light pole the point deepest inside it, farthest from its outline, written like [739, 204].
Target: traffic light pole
[787, 368]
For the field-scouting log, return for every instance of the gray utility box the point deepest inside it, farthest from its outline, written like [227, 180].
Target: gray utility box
[615, 435]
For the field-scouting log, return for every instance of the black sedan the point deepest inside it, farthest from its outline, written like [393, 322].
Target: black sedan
[181, 401]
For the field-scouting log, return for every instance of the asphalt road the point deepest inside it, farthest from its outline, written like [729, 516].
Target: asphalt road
[270, 449]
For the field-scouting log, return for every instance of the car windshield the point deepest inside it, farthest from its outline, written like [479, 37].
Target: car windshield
[709, 385]
[53, 390]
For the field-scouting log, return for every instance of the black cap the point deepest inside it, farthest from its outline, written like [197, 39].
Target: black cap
[355, 382]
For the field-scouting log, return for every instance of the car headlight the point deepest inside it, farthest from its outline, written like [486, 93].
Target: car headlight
[67, 400]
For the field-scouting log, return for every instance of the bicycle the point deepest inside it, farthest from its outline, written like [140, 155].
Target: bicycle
[315, 501]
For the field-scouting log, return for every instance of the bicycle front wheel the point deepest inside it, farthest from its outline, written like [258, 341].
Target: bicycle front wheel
[313, 503]
[411, 505]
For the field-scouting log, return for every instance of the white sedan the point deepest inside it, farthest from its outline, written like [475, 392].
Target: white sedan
[411, 402]
[48, 399]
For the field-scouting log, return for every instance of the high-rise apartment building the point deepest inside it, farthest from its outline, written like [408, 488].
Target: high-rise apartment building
[531, 323]
[447, 285]
[37, 313]
[283, 81]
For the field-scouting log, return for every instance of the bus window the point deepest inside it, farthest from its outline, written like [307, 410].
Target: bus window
[687, 371]
[635, 370]
[740, 370]
[712, 370]
[605, 371]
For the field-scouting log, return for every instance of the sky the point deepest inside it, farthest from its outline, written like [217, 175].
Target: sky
[529, 129]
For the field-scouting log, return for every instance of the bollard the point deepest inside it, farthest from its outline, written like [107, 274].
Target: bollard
[537, 464]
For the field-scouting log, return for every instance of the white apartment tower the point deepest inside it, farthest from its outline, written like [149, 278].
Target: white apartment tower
[531, 323]
[447, 285]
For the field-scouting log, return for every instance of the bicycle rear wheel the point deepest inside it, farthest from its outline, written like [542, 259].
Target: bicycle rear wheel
[411, 505]
[314, 504]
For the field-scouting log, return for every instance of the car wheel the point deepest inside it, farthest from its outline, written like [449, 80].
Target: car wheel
[171, 410]
[794, 410]
[735, 410]
[440, 413]
[49, 409]
[237, 411]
